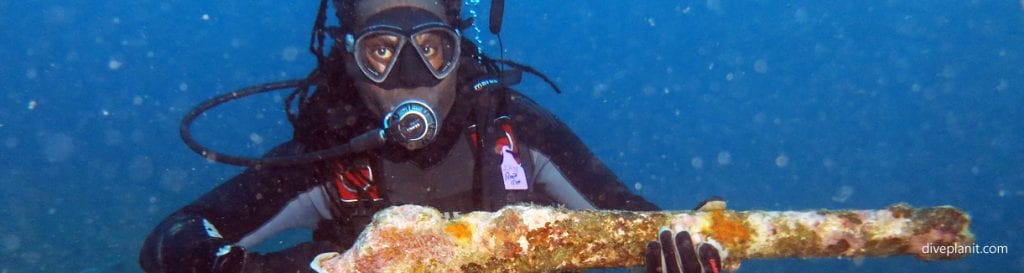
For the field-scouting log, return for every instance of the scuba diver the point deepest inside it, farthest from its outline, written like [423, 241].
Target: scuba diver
[405, 111]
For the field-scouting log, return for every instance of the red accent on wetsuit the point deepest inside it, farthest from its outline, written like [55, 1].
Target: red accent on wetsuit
[509, 139]
[355, 183]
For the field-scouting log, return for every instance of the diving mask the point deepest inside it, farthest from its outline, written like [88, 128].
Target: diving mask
[377, 48]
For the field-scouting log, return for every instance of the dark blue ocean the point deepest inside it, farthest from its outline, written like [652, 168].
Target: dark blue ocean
[774, 105]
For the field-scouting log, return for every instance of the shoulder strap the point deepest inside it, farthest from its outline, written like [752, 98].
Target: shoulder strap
[503, 163]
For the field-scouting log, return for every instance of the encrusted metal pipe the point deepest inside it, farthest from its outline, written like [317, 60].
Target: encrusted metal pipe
[541, 239]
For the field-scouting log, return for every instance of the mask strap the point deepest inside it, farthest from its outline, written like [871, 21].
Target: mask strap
[316, 39]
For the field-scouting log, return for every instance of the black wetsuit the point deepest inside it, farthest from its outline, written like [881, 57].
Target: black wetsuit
[336, 198]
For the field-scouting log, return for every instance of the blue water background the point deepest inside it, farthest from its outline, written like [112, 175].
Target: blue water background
[775, 105]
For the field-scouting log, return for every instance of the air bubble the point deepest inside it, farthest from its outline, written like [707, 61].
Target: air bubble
[57, 147]
[10, 243]
[724, 158]
[843, 194]
[782, 161]
[761, 66]
[255, 138]
[114, 64]
[697, 162]
[289, 54]
[11, 142]
[1003, 85]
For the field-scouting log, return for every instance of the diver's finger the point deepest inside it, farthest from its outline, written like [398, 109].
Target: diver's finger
[669, 251]
[653, 257]
[687, 253]
[709, 258]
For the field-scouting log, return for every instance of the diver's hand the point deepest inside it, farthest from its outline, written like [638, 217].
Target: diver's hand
[675, 253]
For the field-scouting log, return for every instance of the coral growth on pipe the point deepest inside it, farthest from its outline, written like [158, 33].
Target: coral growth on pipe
[541, 239]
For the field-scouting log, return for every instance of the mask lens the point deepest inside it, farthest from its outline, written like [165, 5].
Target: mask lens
[376, 53]
[439, 49]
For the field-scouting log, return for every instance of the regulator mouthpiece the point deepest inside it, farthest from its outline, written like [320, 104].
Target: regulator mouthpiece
[413, 124]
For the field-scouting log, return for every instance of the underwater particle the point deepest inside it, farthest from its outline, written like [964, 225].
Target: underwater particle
[289, 53]
[975, 170]
[1001, 193]
[858, 262]
[206, 17]
[140, 169]
[843, 194]
[173, 180]
[11, 142]
[32, 104]
[256, 138]
[648, 90]
[59, 16]
[31, 73]
[724, 158]
[57, 147]
[183, 87]
[828, 163]
[10, 243]
[685, 10]
[782, 161]
[51, 211]
[112, 137]
[730, 76]
[137, 100]
[948, 72]
[761, 66]
[638, 186]
[715, 5]
[650, 22]
[760, 118]
[800, 15]
[104, 112]
[697, 162]
[915, 88]
[1003, 84]
[114, 64]
[599, 90]
[116, 20]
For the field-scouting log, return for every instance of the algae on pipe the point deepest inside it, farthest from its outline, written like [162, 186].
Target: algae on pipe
[541, 239]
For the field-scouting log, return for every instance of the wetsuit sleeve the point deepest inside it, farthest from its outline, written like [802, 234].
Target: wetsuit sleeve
[564, 167]
[212, 234]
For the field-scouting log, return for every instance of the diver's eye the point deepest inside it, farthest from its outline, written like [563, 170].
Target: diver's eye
[382, 53]
[428, 50]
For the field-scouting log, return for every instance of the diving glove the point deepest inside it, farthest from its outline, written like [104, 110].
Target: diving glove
[676, 253]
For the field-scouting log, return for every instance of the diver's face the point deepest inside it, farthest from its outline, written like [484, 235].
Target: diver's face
[409, 79]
